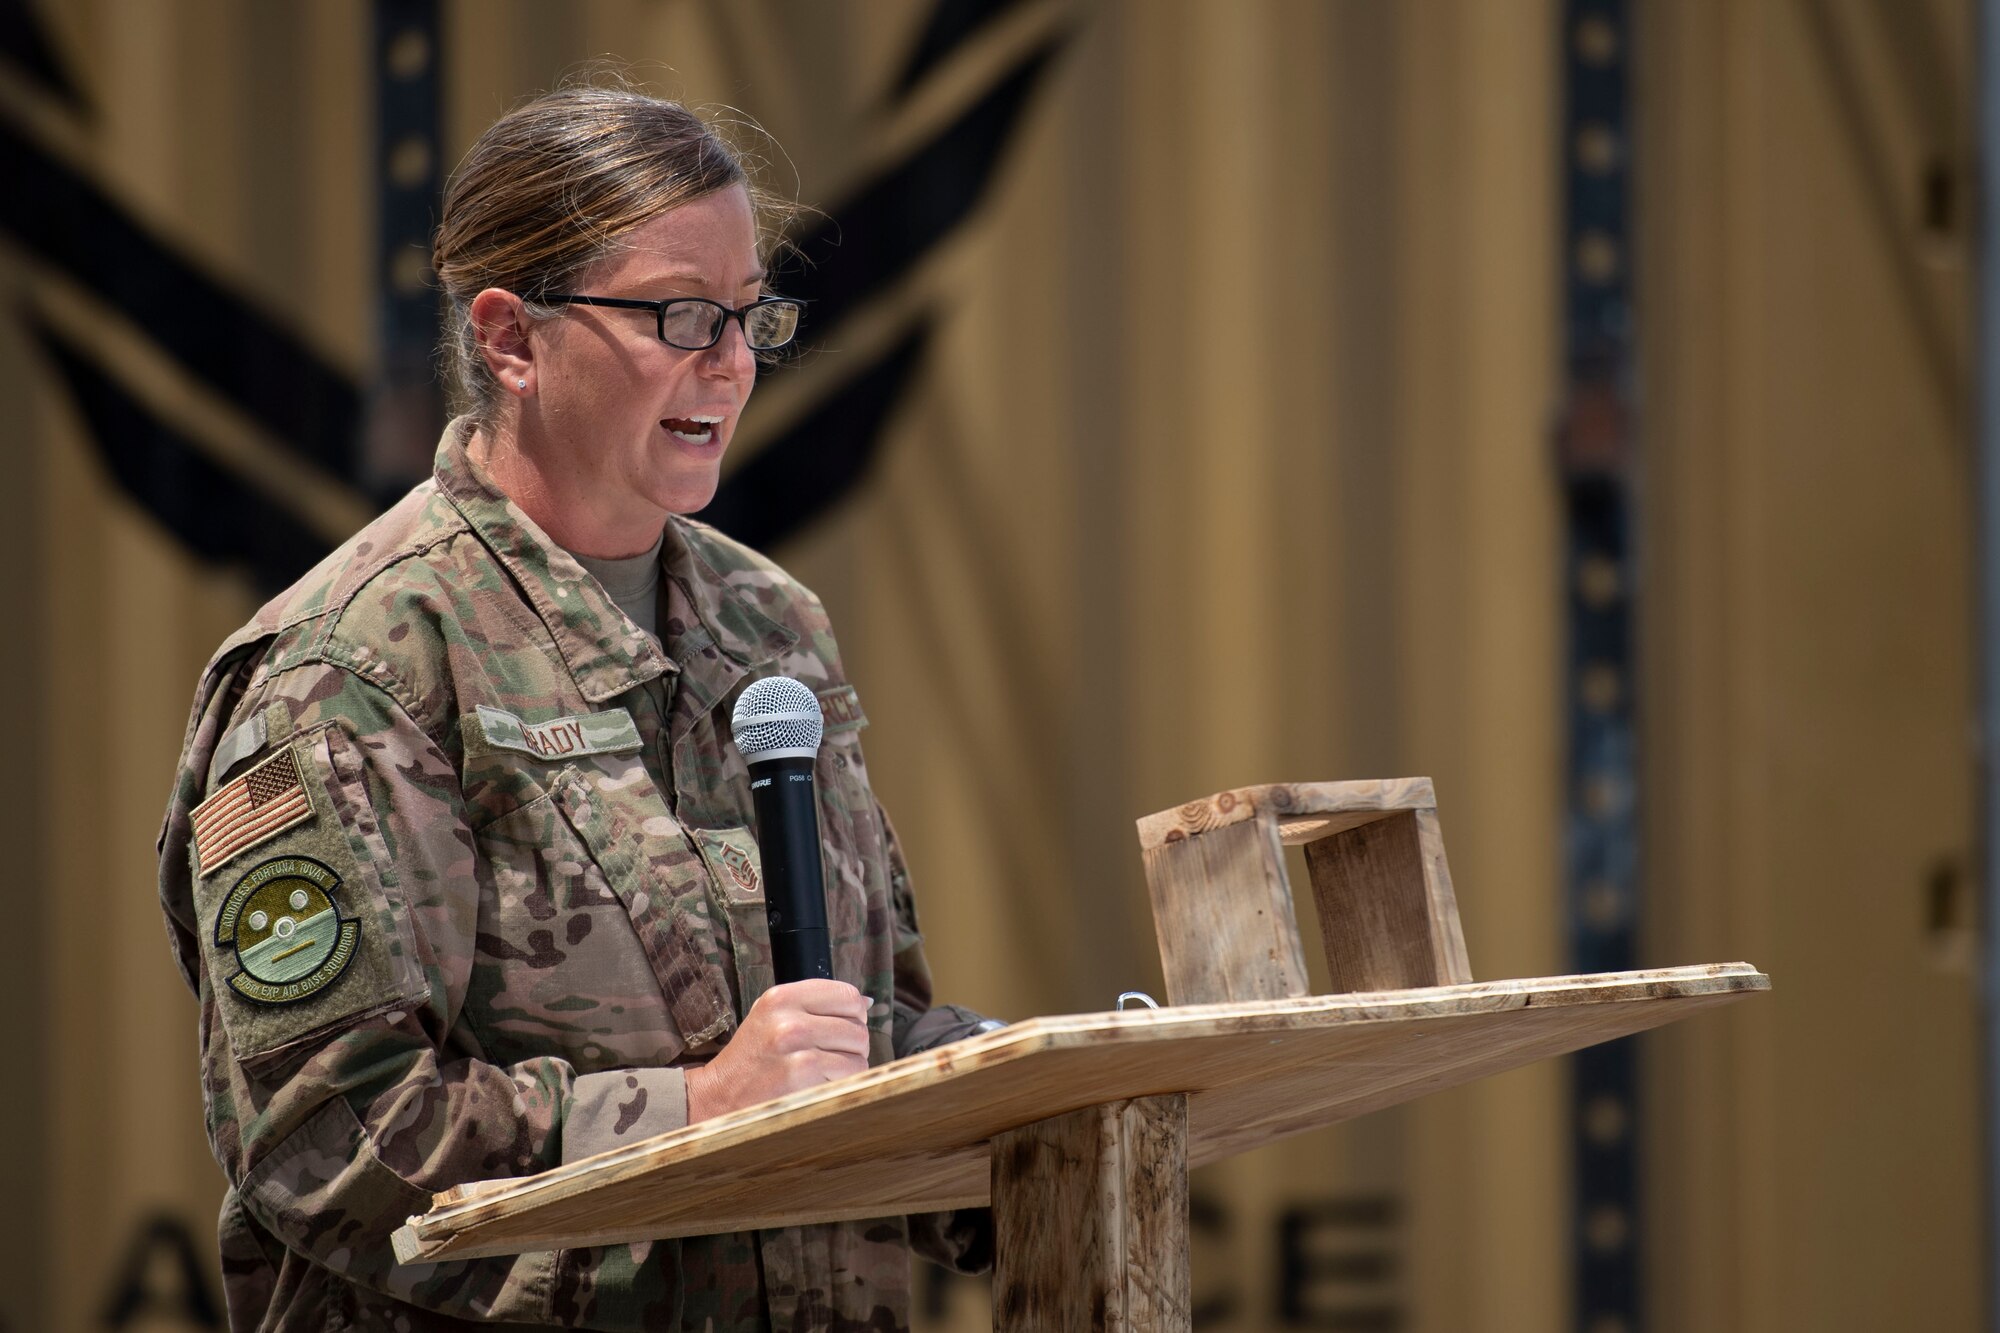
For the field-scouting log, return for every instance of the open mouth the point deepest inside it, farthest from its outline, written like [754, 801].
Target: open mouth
[695, 430]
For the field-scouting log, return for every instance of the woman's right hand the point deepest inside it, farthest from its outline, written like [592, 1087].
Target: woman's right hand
[795, 1036]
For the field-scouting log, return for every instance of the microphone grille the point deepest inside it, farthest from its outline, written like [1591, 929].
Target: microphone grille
[777, 717]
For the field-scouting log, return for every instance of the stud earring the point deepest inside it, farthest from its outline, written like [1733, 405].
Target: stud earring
[520, 384]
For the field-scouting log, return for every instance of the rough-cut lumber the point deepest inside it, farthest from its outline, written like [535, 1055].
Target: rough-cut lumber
[1304, 810]
[1090, 1218]
[913, 1135]
[1223, 905]
[1223, 910]
[1387, 914]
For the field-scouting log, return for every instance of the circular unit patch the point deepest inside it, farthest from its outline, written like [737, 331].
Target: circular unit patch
[290, 940]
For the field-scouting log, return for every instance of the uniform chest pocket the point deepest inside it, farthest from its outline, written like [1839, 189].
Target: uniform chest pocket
[555, 968]
[652, 866]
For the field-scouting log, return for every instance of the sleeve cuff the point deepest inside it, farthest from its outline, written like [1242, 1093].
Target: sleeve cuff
[619, 1107]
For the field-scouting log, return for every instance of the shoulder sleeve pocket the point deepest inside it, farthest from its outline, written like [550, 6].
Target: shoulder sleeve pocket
[298, 932]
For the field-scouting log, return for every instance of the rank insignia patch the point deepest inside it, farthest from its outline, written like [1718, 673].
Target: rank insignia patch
[290, 940]
[737, 862]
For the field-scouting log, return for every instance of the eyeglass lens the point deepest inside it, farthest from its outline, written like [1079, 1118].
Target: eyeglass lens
[697, 324]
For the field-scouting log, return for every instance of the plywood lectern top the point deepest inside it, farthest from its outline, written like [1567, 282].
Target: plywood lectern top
[913, 1135]
[1240, 1056]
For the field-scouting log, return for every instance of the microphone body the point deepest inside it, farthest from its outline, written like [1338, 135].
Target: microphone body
[778, 727]
[794, 890]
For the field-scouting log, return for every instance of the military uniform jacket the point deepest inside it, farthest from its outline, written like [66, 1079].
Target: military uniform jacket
[459, 865]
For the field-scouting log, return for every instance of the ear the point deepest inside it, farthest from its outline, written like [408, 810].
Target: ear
[501, 324]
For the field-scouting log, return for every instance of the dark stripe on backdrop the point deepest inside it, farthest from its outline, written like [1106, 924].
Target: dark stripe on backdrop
[808, 470]
[244, 354]
[894, 221]
[208, 508]
[952, 23]
[25, 45]
[881, 233]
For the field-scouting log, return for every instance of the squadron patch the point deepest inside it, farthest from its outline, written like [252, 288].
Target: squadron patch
[290, 939]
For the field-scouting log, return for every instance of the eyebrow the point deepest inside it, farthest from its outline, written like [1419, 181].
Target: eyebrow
[688, 278]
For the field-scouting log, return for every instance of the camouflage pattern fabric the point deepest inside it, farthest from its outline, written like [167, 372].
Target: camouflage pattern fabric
[458, 863]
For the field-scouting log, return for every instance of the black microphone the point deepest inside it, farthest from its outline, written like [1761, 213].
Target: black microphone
[778, 727]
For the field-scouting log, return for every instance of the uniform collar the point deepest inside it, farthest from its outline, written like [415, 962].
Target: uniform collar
[714, 629]
[607, 654]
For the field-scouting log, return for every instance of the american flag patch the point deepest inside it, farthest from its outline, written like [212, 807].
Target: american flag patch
[261, 804]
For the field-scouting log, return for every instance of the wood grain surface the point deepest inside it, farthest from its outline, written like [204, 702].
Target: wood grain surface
[914, 1134]
[1223, 904]
[1293, 804]
[1090, 1219]
[1387, 914]
[1224, 914]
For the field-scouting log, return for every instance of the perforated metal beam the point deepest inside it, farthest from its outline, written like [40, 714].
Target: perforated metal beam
[1596, 445]
[404, 404]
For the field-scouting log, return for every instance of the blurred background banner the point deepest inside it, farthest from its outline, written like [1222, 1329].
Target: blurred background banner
[1192, 400]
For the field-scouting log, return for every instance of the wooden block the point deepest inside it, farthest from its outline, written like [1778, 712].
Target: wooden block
[1387, 913]
[1223, 906]
[1223, 911]
[1090, 1218]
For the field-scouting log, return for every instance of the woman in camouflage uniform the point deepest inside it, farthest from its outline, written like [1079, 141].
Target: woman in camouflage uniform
[458, 860]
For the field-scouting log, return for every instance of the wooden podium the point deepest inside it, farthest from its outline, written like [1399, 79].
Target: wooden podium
[1079, 1130]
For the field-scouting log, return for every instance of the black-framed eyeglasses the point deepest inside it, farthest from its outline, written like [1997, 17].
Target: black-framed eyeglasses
[694, 323]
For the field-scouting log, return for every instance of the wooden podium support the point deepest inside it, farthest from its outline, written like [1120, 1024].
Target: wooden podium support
[1080, 1130]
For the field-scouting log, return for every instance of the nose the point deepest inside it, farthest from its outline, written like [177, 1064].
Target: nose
[731, 357]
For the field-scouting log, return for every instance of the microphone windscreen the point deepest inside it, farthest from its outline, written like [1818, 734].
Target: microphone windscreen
[777, 718]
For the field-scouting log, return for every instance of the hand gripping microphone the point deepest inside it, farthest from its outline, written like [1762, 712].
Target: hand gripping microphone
[778, 727]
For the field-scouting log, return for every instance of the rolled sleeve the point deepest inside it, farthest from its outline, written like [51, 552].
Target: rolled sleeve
[619, 1107]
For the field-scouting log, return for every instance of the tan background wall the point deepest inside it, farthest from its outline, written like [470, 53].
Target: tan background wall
[1231, 464]
[1810, 662]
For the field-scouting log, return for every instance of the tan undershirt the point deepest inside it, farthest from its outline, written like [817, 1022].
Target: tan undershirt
[633, 583]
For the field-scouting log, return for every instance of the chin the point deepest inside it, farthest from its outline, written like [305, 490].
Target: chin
[685, 484]
[686, 498]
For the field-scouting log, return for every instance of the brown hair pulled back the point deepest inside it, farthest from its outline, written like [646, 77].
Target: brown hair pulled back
[549, 188]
